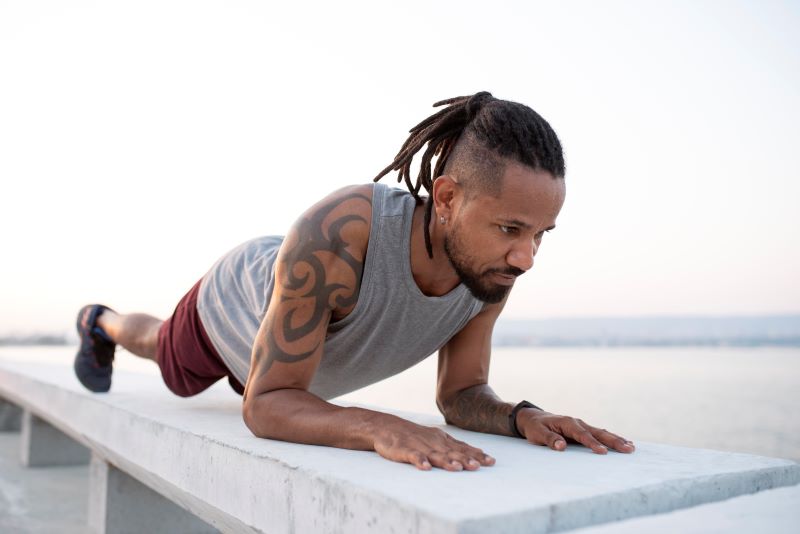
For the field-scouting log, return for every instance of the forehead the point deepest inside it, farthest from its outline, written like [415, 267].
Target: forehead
[527, 195]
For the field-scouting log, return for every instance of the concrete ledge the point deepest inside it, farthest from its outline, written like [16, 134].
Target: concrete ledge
[43, 445]
[120, 504]
[776, 511]
[198, 453]
[10, 417]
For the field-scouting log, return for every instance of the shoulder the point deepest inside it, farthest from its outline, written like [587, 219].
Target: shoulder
[345, 215]
[338, 222]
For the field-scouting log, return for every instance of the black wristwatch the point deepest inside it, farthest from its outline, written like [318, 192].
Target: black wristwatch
[512, 418]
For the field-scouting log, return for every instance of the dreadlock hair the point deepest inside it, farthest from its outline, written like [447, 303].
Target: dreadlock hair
[475, 132]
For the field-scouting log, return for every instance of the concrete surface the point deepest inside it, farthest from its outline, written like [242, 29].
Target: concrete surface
[120, 504]
[10, 417]
[776, 511]
[40, 500]
[43, 445]
[198, 452]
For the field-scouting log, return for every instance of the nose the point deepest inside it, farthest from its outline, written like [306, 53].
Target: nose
[522, 254]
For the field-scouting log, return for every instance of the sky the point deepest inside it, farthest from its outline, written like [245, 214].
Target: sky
[139, 141]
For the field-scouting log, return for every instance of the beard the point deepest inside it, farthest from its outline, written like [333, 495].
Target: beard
[479, 284]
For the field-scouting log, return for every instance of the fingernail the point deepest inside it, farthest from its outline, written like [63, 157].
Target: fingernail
[474, 462]
[560, 443]
[457, 465]
[426, 464]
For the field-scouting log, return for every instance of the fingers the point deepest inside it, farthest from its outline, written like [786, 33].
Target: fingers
[468, 459]
[553, 431]
[459, 458]
[576, 430]
[599, 440]
[451, 461]
[548, 438]
[428, 447]
[611, 440]
[475, 453]
[418, 460]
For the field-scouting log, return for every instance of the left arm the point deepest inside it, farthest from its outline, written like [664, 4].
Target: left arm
[465, 399]
[462, 393]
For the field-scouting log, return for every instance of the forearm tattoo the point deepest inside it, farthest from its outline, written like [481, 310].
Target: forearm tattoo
[478, 408]
[307, 291]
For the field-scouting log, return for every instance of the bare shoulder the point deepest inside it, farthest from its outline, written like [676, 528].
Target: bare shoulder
[342, 219]
[322, 256]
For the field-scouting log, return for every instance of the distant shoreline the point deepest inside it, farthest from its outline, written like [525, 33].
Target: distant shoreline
[603, 343]
[677, 331]
[501, 342]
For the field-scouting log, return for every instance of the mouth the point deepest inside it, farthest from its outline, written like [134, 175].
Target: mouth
[504, 279]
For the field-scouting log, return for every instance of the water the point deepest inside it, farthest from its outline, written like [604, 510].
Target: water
[734, 399]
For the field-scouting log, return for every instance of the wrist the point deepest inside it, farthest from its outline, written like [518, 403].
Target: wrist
[525, 409]
[375, 425]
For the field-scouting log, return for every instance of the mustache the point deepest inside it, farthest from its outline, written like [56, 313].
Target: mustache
[511, 271]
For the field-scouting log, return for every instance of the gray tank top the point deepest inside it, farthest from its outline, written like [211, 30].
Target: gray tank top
[392, 327]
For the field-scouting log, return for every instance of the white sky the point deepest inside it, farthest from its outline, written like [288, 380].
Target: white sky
[141, 140]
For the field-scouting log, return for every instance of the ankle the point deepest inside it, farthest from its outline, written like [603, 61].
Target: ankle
[108, 321]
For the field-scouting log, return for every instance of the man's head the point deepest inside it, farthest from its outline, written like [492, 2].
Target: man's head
[497, 186]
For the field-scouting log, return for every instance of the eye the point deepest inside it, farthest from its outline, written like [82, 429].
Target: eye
[508, 229]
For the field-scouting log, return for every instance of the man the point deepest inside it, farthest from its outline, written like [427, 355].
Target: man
[368, 282]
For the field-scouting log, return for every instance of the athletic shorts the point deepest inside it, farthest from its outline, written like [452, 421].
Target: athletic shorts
[188, 361]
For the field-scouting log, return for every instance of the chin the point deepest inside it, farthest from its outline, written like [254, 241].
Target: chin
[490, 295]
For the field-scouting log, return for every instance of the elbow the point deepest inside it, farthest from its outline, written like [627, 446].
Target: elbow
[248, 414]
[255, 413]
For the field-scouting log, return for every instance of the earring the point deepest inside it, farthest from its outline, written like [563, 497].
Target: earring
[442, 219]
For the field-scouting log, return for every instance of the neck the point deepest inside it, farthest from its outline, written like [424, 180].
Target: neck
[434, 276]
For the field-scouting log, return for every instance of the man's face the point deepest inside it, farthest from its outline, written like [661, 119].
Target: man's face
[492, 240]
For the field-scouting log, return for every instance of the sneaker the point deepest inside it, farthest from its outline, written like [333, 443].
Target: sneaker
[96, 353]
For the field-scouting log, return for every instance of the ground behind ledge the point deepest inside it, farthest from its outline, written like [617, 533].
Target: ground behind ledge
[40, 500]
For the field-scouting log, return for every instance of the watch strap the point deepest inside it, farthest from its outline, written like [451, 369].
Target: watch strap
[512, 417]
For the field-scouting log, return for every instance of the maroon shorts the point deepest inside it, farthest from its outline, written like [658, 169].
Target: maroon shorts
[188, 361]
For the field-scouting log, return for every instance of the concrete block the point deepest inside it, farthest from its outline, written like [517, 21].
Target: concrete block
[10, 417]
[120, 504]
[776, 511]
[43, 445]
[198, 453]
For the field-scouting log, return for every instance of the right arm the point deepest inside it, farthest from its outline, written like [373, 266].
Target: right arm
[318, 275]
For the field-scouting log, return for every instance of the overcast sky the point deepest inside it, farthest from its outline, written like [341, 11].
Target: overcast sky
[141, 140]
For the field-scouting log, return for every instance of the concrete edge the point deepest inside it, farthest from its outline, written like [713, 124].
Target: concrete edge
[198, 507]
[649, 500]
[642, 501]
[426, 523]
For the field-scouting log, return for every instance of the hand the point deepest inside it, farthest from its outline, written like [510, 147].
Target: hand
[425, 447]
[543, 428]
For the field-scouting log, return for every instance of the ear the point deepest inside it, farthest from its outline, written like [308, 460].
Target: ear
[446, 196]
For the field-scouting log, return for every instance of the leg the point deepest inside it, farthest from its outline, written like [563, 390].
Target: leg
[137, 332]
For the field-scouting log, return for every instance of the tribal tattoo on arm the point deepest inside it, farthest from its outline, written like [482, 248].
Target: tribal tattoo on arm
[318, 273]
[478, 408]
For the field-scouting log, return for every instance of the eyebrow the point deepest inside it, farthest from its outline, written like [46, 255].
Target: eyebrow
[517, 222]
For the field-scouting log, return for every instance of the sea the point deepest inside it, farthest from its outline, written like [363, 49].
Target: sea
[725, 398]
[742, 399]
